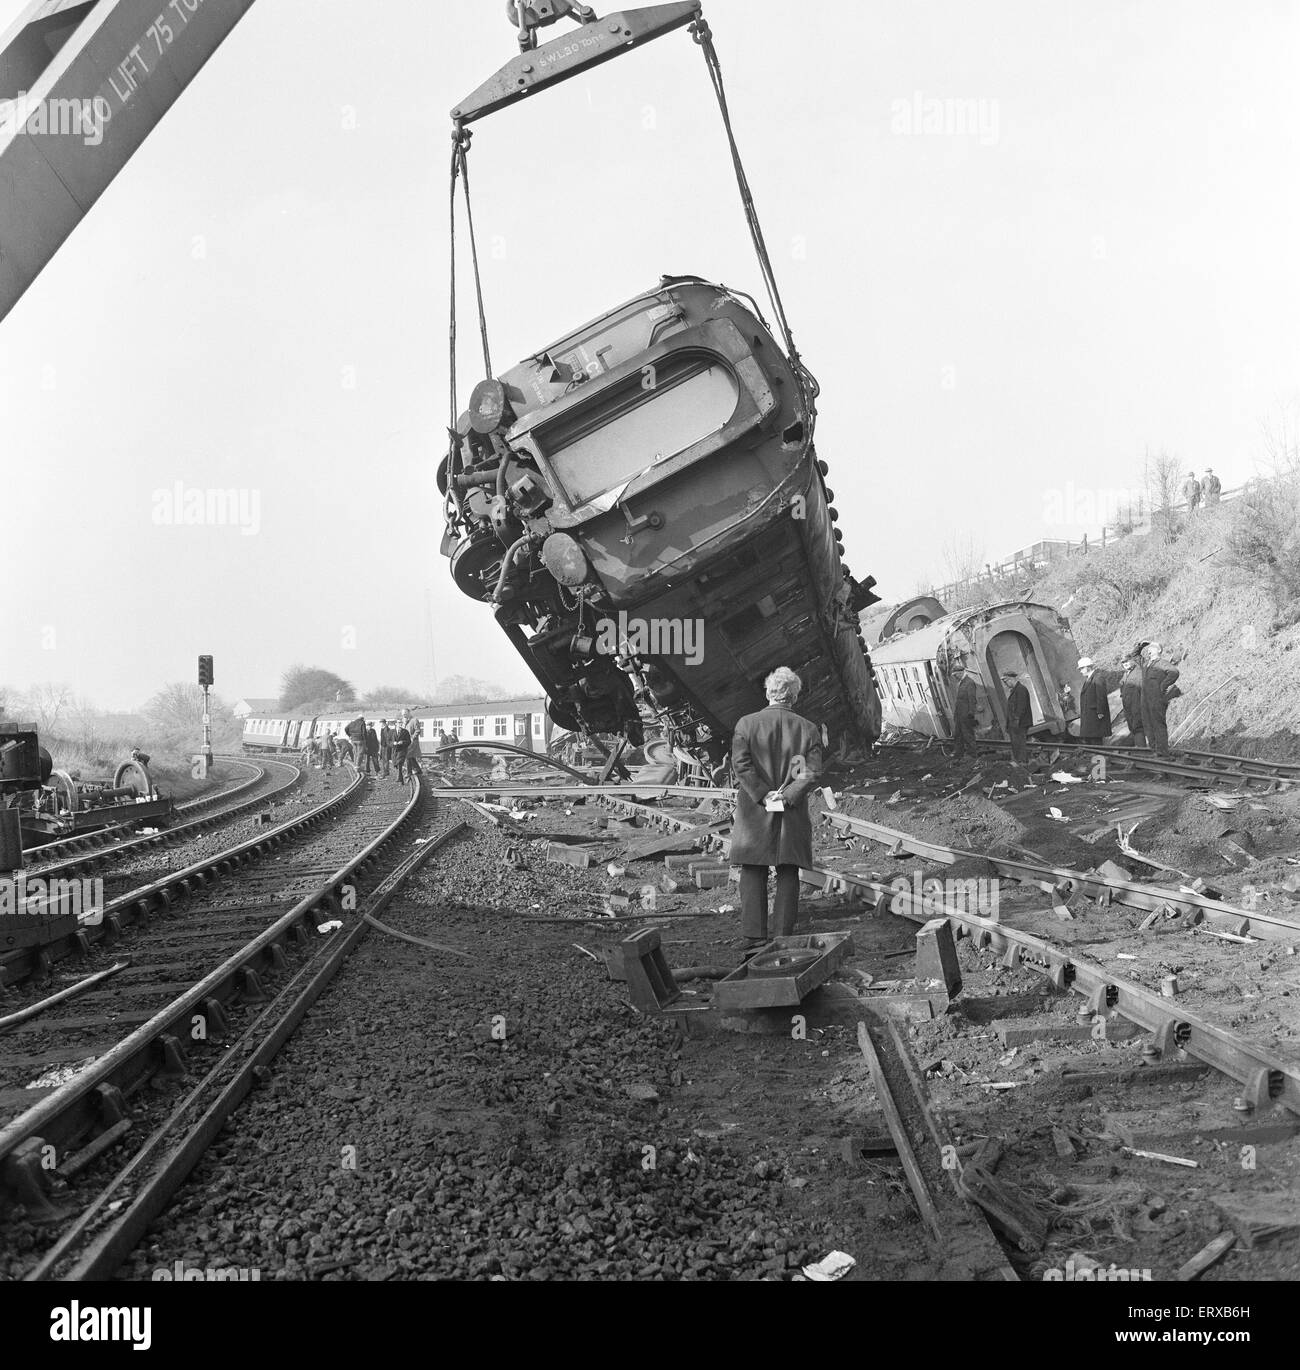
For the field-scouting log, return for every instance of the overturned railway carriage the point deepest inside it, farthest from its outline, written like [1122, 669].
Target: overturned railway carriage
[641, 505]
[918, 670]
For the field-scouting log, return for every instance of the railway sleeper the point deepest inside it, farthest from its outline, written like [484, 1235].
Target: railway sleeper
[79, 1160]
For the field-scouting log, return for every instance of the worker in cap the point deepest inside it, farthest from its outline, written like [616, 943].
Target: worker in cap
[1211, 486]
[1192, 493]
[964, 710]
[1019, 716]
[1130, 694]
[1094, 704]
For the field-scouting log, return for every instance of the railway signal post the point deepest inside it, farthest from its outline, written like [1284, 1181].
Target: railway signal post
[205, 680]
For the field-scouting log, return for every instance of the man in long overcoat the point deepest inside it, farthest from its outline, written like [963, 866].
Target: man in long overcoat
[964, 713]
[1094, 704]
[777, 756]
[1158, 692]
[1019, 716]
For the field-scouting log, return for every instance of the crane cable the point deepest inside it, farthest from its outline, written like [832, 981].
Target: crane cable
[460, 137]
[703, 36]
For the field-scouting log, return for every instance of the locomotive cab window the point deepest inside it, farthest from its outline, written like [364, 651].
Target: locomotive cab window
[650, 416]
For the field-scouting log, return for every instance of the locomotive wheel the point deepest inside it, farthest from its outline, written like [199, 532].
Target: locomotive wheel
[133, 775]
[66, 794]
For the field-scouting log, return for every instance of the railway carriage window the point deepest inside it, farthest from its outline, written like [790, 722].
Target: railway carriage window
[537, 725]
[480, 726]
[500, 725]
[628, 428]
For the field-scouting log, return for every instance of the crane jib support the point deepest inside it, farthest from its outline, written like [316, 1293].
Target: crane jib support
[578, 51]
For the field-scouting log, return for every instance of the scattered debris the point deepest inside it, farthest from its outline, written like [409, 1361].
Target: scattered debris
[1055, 813]
[1160, 1156]
[831, 1267]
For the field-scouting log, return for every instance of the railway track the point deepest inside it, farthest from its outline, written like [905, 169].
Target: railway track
[273, 780]
[106, 920]
[62, 847]
[1268, 1075]
[1211, 1095]
[1216, 767]
[219, 993]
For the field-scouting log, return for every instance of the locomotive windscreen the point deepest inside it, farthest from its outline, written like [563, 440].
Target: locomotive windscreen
[631, 427]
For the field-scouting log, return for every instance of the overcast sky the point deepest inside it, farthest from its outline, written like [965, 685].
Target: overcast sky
[1003, 313]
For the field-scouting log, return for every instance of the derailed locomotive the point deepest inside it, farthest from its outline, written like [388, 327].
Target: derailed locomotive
[642, 505]
[923, 653]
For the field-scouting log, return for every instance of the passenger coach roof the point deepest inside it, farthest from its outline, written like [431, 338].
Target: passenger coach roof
[922, 643]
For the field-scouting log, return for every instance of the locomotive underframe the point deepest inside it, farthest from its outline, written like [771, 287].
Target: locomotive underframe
[729, 540]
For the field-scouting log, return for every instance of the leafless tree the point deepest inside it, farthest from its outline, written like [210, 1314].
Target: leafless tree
[1281, 433]
[459, 689]
[1161, 473]
[962, 555]
[383, 695]
[44, 704]
[302, 684]
[180, 705]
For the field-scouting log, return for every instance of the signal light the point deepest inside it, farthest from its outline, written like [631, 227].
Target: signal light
[205, 670]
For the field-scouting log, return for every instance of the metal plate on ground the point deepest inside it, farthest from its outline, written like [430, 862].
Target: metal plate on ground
[784, 986]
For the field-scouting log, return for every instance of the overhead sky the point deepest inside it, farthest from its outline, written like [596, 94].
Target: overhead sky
[1019, 243]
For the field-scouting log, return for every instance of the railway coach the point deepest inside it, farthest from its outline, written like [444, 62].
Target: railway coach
[919, 665]
[520, 723]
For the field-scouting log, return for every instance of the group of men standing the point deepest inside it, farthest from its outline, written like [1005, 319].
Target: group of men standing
[394, 744]
[1146, 690]
[1206, 490]
[1147, 687]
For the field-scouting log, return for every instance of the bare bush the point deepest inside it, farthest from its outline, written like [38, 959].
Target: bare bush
[1162, 475]
[1263, 540]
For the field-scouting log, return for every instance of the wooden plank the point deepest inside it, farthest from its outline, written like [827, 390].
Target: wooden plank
[1172, 1072]
[1207, 1255]
[899, 1133]
[669, 844]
